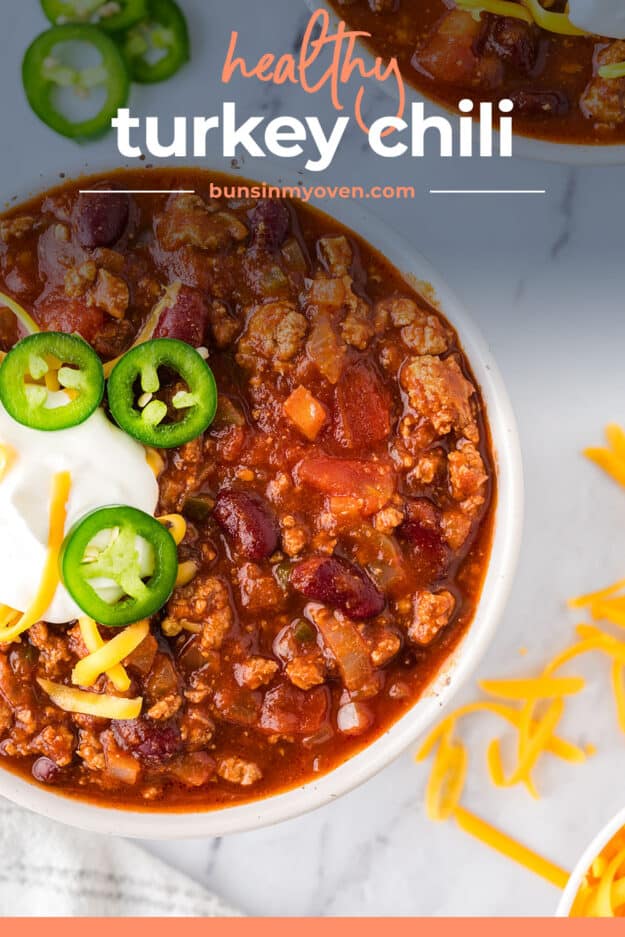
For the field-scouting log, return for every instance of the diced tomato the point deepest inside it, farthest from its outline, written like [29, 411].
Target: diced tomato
[290, 711]
[70, 315]
[361, 408]
[370, 482]
[237, 705]
[450, 54]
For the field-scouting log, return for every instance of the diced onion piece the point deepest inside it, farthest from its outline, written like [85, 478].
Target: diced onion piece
[113, 652]
[72, 700]
[354, 718]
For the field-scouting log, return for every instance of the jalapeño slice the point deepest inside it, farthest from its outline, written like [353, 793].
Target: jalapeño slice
[119, 565]
[49, 66]
[135, 382]
[51, 381]
[158, 46]
[109, 16]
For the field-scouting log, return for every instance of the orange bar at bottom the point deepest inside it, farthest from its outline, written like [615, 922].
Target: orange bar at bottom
[306, 927]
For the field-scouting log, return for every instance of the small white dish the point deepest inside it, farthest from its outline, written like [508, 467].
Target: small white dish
[575, 154]
[456, 669]
[589, 855]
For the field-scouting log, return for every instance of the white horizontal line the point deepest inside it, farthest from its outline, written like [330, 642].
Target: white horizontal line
[137, 191]
[488, 191]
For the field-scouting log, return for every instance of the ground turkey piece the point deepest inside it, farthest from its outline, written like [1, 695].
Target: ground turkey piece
[189, 222]
[238, 771]
[431, 613]
[467, 475]
[275, 332]
[440, 393]
[205, 601]
[255, 672]
[604, 98]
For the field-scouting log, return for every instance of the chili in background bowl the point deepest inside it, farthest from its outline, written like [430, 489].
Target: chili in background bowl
[456, 668]
[524, 145]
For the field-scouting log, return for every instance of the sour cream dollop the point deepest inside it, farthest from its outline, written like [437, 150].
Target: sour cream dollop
[106, 466]
[600, 17]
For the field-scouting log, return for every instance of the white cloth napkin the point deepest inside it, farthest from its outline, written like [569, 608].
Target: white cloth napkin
[50, 870]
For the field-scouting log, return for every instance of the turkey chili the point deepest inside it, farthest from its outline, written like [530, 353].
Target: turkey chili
[332, 522]
[565, 78]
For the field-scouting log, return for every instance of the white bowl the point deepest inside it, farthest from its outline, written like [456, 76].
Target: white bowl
[595, 849]
[454, 672]
[575, 154]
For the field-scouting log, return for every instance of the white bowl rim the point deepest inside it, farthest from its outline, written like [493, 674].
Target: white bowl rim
[546, 151]
[594, 849]
[148, 824]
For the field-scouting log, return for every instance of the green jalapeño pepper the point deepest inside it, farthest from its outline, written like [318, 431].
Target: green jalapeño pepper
[148, 417]
[51, 381]
[158, 46]
[119, 565]
[48, 68]
[110, 16]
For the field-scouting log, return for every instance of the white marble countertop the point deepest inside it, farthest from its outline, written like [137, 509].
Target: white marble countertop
[543, 277]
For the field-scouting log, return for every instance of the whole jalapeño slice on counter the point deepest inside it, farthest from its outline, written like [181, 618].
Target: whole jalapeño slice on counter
[158, 46]
[80, 58]
[110, 16]
[191, 393]
[51, 381]
[119, 565]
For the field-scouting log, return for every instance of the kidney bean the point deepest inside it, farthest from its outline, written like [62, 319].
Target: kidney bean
[339, 584]
[100, 220]
[422, 530]
[270, 222]
[540, 103]
[249, 522]
[514, 42]
[46, 771]
[152, 742]
[185, 319]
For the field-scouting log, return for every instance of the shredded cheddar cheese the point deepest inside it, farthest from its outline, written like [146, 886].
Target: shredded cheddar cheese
[530, 11]
[154, 460]
[72, 700]
[110, 654]
[93, 642]
[534, 707]
[7, 457]
[510, 848]
[602, 892]
[61, 483]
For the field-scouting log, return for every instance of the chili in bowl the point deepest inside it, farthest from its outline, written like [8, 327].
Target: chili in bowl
[562, 65]
[282, 539]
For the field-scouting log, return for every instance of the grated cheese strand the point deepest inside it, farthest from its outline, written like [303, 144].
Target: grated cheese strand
[72, 700]
[500, 842]
[113, 652]
[93, 642]
[533, 688]
[61, 483]
[530, 11]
